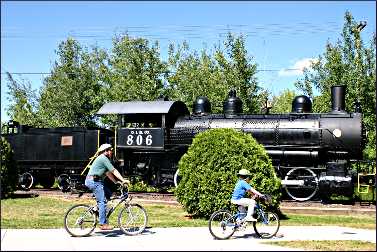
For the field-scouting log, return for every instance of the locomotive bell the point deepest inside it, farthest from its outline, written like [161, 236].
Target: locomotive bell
[201, 106]
[302, 104]
[233, 105]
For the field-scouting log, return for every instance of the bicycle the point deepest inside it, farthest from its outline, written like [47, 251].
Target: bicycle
[81, 219]
[222, 223]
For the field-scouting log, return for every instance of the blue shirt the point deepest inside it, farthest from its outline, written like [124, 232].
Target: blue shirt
[240, 189]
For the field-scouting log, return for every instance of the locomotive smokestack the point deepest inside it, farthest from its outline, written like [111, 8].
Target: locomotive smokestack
[338, 94]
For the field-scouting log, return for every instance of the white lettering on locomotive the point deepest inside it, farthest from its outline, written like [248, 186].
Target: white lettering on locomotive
[140, 139]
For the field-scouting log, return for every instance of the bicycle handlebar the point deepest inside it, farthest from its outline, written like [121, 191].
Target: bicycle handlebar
[122, 187]
[267, 198]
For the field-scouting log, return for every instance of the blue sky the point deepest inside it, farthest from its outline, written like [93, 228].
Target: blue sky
[279, 35]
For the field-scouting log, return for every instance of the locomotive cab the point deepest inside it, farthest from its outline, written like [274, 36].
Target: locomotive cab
[141, 137]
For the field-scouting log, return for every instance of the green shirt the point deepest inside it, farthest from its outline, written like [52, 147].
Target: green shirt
[100, 166]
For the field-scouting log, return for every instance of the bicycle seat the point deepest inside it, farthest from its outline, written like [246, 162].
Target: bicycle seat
[241, 209]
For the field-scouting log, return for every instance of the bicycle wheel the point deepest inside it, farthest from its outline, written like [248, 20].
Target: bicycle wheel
[267, 225]
[222, 224]
[80, 220]
[132, 219]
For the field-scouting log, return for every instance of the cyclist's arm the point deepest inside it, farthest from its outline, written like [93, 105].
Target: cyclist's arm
[116, 173]
[255, 192]
[111, 176]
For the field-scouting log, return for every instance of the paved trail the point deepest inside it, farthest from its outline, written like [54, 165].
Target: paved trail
[171, 239]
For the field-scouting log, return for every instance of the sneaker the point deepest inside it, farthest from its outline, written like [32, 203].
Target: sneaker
[95, 209]
[250, 219]
[106, 227]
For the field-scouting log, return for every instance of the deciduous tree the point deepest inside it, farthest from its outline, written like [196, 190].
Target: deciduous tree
[282, 103]
[23, 101]
[194, 74]
[68, 95]
[347, 62]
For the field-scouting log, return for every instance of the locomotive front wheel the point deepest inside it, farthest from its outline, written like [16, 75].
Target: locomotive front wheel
[301, 184]
[176, 178]
[26, 181]
[64, 182]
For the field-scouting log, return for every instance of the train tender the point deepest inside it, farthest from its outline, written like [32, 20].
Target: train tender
[46, 154]
[312, 152]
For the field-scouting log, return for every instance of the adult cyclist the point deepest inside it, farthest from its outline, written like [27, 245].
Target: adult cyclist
[100, 168]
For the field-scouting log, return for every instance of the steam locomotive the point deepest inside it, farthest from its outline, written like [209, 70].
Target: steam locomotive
[311, 152]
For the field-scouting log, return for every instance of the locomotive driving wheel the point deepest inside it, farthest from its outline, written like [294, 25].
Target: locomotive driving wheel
[26, 181]
[301, 184]
[177, 178]
[64, 182]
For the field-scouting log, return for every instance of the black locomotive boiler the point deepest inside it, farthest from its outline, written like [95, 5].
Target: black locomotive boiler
[311, 152]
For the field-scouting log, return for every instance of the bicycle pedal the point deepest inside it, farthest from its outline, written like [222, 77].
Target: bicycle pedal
[241, 228]
[241, 225]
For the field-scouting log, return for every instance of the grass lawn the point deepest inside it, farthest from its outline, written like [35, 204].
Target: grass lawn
[48, 212]
[327, 245]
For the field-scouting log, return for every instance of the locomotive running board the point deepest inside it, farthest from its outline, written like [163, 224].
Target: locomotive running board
[285, 182]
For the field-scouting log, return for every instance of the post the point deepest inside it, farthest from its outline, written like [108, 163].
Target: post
[358, 57]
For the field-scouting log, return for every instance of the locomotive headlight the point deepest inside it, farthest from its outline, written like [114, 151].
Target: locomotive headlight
[337, 133]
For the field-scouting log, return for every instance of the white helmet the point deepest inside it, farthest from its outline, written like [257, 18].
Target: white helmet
[244, 172]
[104, 147]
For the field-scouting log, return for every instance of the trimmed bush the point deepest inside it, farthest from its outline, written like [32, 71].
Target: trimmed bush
[209, 171]
[9, 170]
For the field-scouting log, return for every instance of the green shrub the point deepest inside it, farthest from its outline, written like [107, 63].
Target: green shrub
[9, 170]
[209, 171]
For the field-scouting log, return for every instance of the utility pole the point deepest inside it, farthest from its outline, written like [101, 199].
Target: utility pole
[358, 57]
[356, 33]
[361, 25]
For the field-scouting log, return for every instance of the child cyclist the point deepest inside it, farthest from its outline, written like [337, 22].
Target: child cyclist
[238, 197]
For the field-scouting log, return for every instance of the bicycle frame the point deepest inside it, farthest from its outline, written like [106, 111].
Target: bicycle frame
[124, 196]
[81, 219]
[258, 210]
[260, 213]
[223, 223]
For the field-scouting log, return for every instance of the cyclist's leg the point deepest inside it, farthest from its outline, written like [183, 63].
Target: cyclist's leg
[99, 193]
[241, 209]
[250, 203]
[107, 190]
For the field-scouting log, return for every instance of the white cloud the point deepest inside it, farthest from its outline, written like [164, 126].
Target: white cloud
[297, 68]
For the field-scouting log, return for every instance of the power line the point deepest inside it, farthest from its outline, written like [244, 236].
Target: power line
[275, 29]
[25, 73]
[261, 70]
